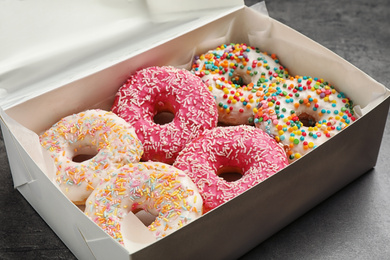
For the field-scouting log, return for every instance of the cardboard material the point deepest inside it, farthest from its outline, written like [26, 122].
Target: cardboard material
[42, 54]
[251, 217]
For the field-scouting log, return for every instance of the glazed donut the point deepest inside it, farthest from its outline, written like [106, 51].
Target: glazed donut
[302, 113]
[153, 90]
[243, 150]
[157, 188]
[87, 147]
[236, 74]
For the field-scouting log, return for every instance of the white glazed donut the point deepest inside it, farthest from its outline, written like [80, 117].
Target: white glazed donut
[87, 147]
[160, 189]
[236, 75]
[302, 113]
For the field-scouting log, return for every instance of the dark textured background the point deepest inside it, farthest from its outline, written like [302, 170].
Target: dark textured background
[352, 224]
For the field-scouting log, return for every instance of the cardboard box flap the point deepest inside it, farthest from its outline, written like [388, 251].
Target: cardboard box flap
[71, 40]
[99, 242]
[19, 171]
[136, 236]
[23, 139]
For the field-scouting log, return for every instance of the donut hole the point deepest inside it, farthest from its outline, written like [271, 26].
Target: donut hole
[84, 153]
[163, 117]
[241, 80]
[307, 120]
[164, 113]
[230, 173]
[145, 217]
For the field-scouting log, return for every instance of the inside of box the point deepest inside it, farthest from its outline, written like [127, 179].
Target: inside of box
[301, 55]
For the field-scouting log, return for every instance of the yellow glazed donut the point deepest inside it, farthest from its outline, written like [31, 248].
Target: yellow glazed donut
[87, 147]
[160, 189]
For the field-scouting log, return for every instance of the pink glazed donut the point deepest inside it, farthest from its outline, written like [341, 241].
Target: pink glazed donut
[246, 151]
[156, 90]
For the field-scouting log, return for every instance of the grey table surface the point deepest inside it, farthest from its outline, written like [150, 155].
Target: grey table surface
[354, 223]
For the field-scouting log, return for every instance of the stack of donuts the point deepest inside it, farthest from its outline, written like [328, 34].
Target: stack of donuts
[178, 143]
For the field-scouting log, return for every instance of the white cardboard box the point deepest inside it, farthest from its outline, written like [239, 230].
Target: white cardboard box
[47, 92]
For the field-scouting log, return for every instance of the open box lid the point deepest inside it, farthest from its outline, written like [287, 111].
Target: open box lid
[46, 44]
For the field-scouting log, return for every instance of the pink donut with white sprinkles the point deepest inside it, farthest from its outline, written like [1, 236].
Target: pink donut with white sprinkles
[245, 151]
[153, 91]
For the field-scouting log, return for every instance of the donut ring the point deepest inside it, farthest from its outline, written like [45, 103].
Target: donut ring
[87, 147]
[302, 113]
[157, 188]
[156, 89]
[236, 75]
[245, 149]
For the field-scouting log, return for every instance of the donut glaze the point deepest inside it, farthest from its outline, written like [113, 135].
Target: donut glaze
[157, 89]
[105, 141]
[236, 74]
[158, 188]
[247, 149]
[302, 113]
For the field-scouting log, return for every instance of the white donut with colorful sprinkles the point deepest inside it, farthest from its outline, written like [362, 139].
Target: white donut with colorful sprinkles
[87, 147]
[302, 113]
[157, 188]
[236, 75]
